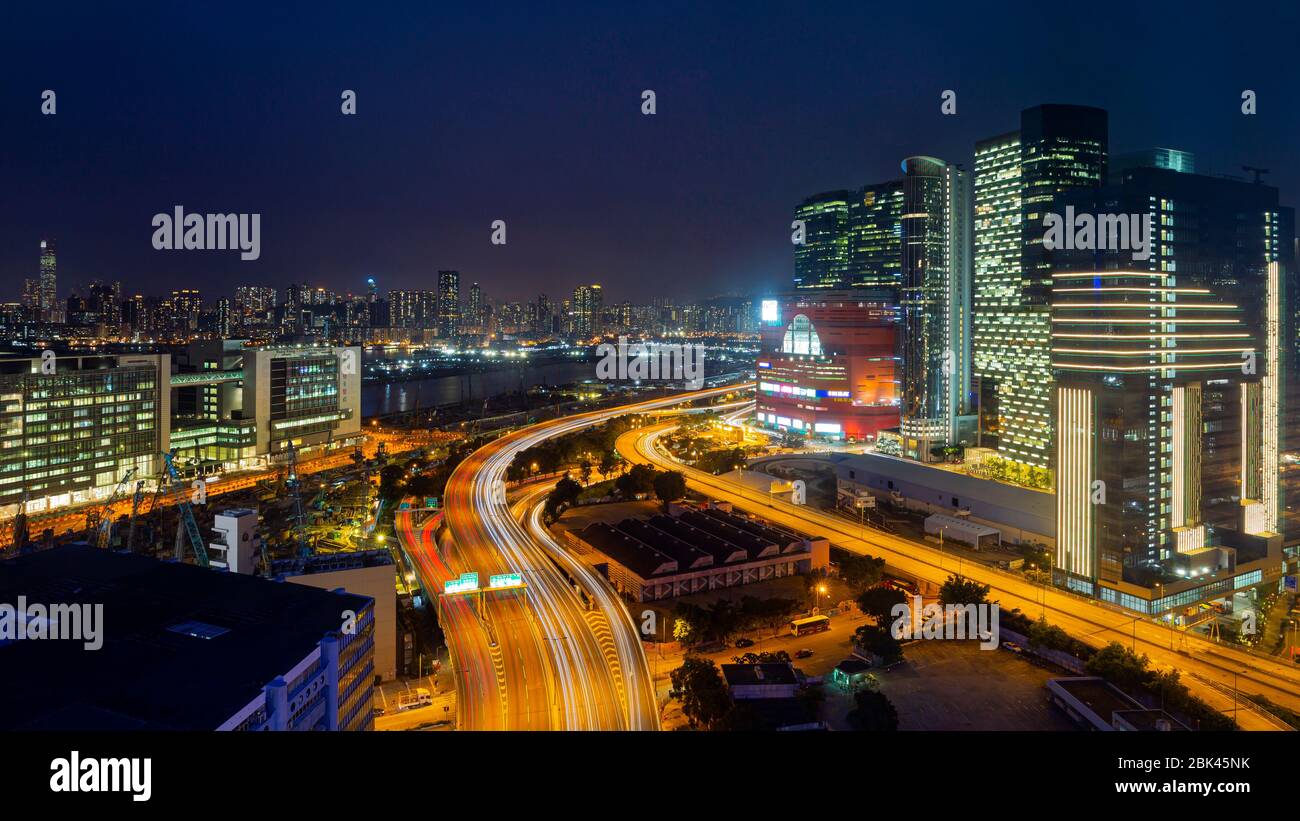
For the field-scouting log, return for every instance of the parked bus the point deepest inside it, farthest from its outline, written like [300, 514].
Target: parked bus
[812, 624]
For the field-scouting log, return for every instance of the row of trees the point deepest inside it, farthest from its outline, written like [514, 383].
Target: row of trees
[590, 447]
[724, 618]
[666, 485]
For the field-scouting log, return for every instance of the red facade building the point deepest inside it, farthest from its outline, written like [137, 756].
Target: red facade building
[827, 367]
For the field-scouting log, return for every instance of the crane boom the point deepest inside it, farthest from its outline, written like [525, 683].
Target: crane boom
[104, 527]
[187, 523]
[299, 518]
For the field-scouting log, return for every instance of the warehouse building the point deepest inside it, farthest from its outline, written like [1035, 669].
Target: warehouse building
[695, 550]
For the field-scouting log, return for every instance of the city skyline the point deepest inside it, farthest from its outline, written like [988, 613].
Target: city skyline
[712, 176]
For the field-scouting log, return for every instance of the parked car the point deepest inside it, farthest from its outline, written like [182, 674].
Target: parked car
[1013, 647]
[744, 642]
[803, 654]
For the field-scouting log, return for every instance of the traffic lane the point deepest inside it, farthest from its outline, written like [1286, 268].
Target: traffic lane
[638, 447]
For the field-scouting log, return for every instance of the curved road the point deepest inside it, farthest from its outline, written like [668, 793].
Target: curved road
[1215, 670]
[537, 658]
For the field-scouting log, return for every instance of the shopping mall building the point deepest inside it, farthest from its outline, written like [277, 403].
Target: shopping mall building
[827, 366]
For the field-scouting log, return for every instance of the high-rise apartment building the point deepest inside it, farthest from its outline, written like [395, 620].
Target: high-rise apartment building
[588, 303]
[413, 309]
[475, 310]
[448, 303]
[254, 304]
[1058, 148]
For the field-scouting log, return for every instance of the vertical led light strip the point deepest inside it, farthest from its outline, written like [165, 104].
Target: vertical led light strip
[1270, 401]
[1179, 457]
[1074, 508]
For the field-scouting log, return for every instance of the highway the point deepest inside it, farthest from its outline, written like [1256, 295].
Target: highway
[536, 659]
[1215, 672]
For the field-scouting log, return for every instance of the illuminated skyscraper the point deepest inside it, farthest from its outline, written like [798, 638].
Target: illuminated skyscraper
[474, 311]
[1168, 383]
[852, 239]
[448, 303]
[48, 292]
[588, 303]
[821, 259]
[935, 308]
[1059, 148]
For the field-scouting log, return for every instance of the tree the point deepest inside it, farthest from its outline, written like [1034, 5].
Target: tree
[584, 470]
[390, 481]
[669, 486]
[879, 602]
[766, 657]
[879, 641]
[608, 460]
[682, 631]
[564, 494]
[860, 572]
[873, 712]
[640, 479]
[1121, 667]
[960, 590]
[698, 685]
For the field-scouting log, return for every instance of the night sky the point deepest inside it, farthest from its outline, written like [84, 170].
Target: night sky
[530, 113]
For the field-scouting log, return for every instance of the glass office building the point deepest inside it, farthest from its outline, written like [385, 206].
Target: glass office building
[1058, 148]
[71, 432]
[1168, 376]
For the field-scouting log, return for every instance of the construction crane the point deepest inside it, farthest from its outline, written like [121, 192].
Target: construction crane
[186, 526]
[20, 524]
[105, 529]
[299, 518]
[136, 498]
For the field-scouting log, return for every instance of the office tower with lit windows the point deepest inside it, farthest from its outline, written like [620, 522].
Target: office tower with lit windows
[69, 433]
[1168, 380]
[821, 259]
[448, 303]
[852, 239]
[935, 309]
[875, 230]
[1059, 148]
[48, 290]
[588, 302]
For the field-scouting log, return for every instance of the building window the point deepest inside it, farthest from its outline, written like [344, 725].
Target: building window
[801, 337]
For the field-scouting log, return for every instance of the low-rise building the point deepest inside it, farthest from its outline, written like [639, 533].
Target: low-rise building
[180, 647]
[695, 550]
